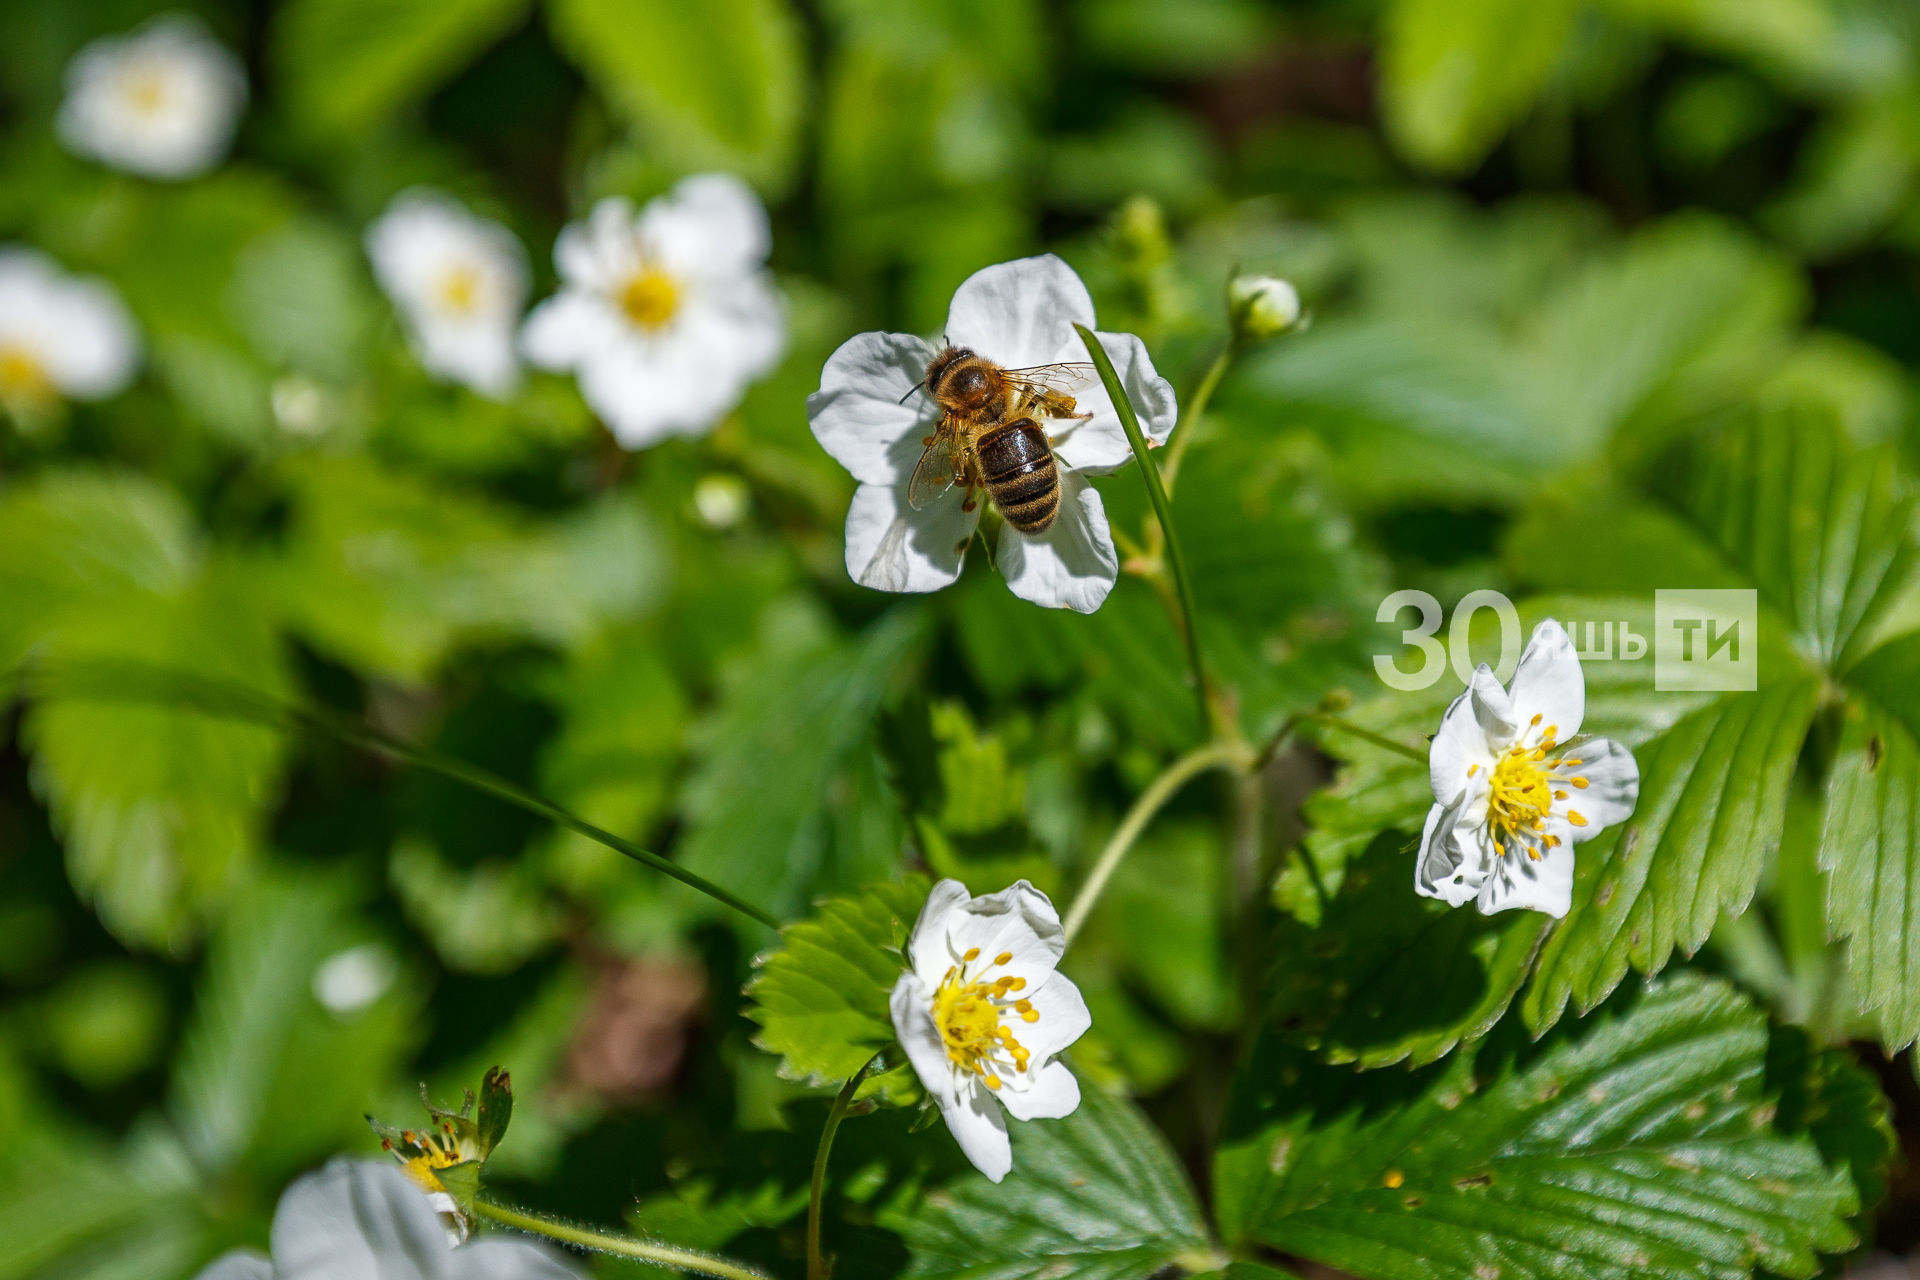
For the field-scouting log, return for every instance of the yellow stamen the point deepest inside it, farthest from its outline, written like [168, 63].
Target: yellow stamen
[650, 298]
[23, 379]
[1573, 816]
[460, 289]
[969, 1013]
[1005, 957]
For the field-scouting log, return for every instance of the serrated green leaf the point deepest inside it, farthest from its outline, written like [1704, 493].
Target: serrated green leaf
[1096, 1196]
[1389, 976]
[346, 64]
[1639, 1143]
[709, 83]
[821, 996]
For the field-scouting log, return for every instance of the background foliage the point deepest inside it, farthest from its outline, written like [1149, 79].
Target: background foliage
[1608, 295]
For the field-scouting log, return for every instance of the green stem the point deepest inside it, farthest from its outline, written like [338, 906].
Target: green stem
[816, 1260]
[1191, 410]
[1214, 755]
[620, 1246]
[1157, 494]
[232, 701]
[1366, 735]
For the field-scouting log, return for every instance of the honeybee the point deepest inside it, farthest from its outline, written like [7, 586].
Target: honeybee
[991, 435]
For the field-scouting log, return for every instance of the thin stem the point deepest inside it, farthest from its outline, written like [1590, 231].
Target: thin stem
[816, 1260]
[1195, 406]
[220, 699]
[1157, 494]
[1367, 735]
[620, 1246]
[1214, 755]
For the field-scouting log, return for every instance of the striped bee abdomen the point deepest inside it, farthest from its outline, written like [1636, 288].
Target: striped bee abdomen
[1016, 462]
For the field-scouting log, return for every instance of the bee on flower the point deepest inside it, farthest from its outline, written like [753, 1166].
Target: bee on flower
[459, 282]
[983, 1014]
[1516, 786]
[665, 315]
[162, 101]
[62, 337]
[1005, 410]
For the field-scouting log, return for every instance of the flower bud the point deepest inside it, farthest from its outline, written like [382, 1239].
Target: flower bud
[1262, 306]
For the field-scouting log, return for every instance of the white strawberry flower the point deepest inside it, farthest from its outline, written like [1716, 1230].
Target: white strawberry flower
[1515, 786]
[62, 337]
[358, 1219]
[162, 101]
[983, 1013]
[1018, 315]
[459, 282]
[666, 315]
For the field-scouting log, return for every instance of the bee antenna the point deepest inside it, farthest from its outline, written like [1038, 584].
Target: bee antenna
[910, 390]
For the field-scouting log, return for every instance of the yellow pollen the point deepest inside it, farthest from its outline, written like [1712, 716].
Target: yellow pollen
[460, 289]
[1536, 720]
[22, 377]
[1395, 1179]
[1472, 769]
[1005, 957]
[650, 297]
[1573, 816]
[1518, 795]
[146, 91]
[968, 1013]
[1579, 782]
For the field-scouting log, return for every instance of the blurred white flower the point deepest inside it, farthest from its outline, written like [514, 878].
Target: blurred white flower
[870, 417]
[458, 281]
[348, 981]
[1515, 787]
[665, 315]
[357, 1219]
[1263, 306]
[162, 101]
[983, 1011]
[61, 336]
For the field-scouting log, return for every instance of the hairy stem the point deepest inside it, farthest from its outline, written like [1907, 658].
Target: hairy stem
[619, 1246]
[816, 1260]
[1157, 494]
[134, 682]
[1214, 755]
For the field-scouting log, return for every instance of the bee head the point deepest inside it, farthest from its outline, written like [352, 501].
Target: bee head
[958, 378]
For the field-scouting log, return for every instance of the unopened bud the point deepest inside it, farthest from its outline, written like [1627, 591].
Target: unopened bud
[1262, 306]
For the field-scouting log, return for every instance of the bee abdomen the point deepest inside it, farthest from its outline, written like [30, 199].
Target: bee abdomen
[1016, 462]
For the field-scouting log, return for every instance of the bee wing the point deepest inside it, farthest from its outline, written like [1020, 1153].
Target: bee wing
[937, 469]
[1051, 388]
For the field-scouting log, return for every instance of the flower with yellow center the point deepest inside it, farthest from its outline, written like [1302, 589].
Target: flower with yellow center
[1515, 786]
[983, 1014]
[459, 282]
[665, 313]
[62, 337]
[162, 101]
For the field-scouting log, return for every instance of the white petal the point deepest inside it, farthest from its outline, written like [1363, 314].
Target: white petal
[927, 947]
[353, 1220]
[1542, 884]
[1018, 922]
[1445, 870]
[980, 1127]
[91, 347]
[1548, 683]
[1099, 444]
[602, 251]
[567, 330]
[1073, 564]
[857, 414]
[911, 1006]
[238, 1265]
[498, 1259]
[644, 392]
[1064, 1017]
[711, 224]
[1492, 709]
[1613, 786]
[1021, 313]
[1460, 745]
[1053, 1094]
[892, 547]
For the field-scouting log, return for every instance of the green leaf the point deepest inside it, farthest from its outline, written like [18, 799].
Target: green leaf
[1390, 976]
[1828, 1095]
[1456, 73]
[794, 731]
[1096, 1196]
[1713, 797]
[1640, 1143]
[709, 83]
[820, 998]
[346, 64]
